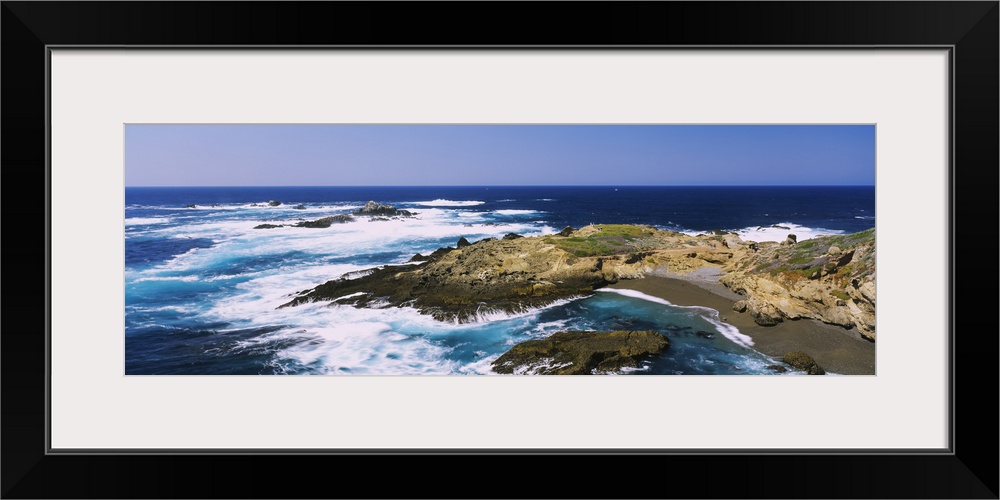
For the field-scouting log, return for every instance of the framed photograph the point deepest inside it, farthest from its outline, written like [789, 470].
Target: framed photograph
[321, 249]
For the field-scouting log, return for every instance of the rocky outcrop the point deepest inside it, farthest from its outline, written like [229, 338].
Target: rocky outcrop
[326, 221]
[318, 223]
[829, 278]
[376, 208]
[274, 203]
[802, 361]
[566, 231]
[299, 207]
[463, 284]
[582, 353]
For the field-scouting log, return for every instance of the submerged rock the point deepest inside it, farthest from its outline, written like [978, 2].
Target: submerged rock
[274, 203]
[581, 353]
[268, 226]
[803, 361]
[299, 207]
[191, 206]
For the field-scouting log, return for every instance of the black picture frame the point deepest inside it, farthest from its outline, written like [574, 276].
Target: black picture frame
[970, 28]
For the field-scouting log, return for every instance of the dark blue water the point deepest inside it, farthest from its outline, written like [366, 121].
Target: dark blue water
[202, 284]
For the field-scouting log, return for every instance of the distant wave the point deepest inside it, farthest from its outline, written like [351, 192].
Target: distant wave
[448, 203]
[517, 212]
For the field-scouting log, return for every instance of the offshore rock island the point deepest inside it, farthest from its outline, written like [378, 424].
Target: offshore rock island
[830, 279]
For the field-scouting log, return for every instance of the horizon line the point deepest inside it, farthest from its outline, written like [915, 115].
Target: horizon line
[494, 185]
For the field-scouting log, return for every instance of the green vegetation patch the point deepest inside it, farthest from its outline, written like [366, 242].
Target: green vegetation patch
[840, 294]
[612, 239]
[852, 240]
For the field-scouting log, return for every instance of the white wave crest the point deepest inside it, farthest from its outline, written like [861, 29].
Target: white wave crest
[517, 212]
[776, 233]
[448, 203]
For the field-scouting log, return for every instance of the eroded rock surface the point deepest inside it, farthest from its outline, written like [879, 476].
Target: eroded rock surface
[581, 353]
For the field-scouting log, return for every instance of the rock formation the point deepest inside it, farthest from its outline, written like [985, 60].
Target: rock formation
[326, 221]
[830, 278]
[376, 208]
[804, 362]
[581, 353]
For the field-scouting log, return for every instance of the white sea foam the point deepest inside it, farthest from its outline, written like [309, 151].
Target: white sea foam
[448, 203]
[772, 233]
[145, 221]
[637, 295]
[769, 233]
[486, 315]
[482, 366]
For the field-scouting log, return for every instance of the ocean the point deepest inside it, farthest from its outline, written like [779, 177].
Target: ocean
[202, 286]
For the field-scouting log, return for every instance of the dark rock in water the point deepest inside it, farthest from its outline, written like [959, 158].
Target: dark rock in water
[268, 226]
[462, 242]
[568, 230]
[274, 203]
[777, 368]
[705, 335]
[191, 206]
[803, 361]
[581, 353]
[617, 323]
[780, 227]
[376, 208]
[326, 221]
[512, 236]
[299, 207]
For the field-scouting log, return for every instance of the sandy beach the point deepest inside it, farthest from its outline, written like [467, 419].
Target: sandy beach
[835, 349]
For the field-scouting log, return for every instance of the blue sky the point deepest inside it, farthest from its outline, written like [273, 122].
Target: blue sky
[492, 155]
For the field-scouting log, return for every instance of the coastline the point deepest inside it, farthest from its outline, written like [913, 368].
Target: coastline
[835, 349]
